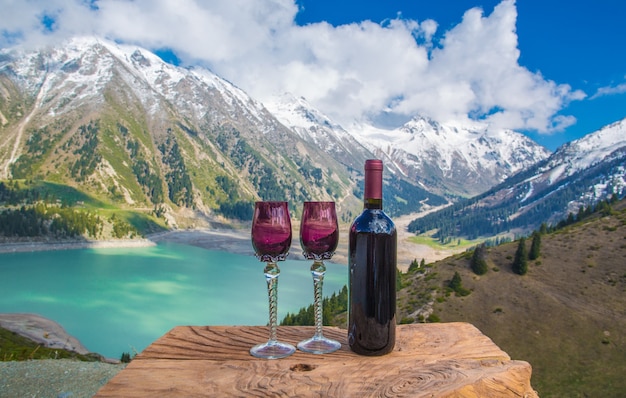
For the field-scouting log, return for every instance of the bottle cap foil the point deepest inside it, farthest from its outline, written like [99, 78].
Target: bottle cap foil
[373, 179]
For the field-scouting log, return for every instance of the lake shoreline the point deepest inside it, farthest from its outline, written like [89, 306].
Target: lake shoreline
[44, 331]
[37, 245]
[232, 240]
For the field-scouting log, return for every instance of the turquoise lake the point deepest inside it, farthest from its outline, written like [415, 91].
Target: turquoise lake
[121, 300]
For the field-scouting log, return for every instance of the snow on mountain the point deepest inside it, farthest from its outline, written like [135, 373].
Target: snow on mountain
[451, 159]
[455, 158]
[89, 63]
[588, 150]
[473, 144]
[578, 175]
[298, 112]
[315, 127]
[598, 159]
[169, 80]
[231, 146]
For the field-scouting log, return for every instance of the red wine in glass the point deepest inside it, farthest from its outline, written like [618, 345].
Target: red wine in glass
[319, 236]
[271, 240]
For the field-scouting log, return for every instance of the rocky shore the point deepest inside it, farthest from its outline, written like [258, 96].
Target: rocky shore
[62, 378]
[15, 246]
[238, 241]
[41, 330]
[235, 240]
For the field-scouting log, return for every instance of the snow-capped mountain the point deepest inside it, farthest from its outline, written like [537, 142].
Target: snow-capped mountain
[447, 159]
[575, 156]
[598, 158]
[320, 131]
[118, 122]
[455, 158]
[315, 127]
[121, 124]
[577, 175]
[81, 70]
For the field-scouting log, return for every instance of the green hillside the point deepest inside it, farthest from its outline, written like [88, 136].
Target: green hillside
[43, 210]
[566, 316]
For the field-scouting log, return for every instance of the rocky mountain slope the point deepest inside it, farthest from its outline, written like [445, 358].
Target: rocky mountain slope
[118, 123]
[121, 124]
[452, 160]
[576, 176]
[457, 159]
[315, 127]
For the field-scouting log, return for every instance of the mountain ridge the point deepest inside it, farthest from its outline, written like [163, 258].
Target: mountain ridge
[122, 124]
[456, 159]
[195, 134]
[468, 152]
[577, 175]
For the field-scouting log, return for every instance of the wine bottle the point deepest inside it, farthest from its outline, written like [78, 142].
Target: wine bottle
[372, 279]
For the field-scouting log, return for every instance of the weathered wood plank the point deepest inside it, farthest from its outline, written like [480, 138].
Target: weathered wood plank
[430, 360]
[435, 340]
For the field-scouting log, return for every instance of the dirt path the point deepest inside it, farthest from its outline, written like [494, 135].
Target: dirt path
[409, 251]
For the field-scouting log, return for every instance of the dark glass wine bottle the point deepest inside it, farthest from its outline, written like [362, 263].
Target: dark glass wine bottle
[372, 278]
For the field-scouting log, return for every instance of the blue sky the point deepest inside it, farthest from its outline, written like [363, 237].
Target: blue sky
[582, 44]
[552, 70]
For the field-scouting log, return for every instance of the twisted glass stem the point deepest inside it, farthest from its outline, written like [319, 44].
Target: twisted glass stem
[318, 269]
[272, 272]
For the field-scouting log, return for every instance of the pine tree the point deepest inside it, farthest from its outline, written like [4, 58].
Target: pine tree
[455, 282]
[478, 263]
[414, 265]
[520, 262]
[457, 285]
[535, 247]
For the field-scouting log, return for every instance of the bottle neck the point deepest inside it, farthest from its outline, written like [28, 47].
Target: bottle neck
[372, 204]
[373, 192]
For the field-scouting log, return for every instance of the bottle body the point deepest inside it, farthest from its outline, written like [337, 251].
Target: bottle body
[372, 280]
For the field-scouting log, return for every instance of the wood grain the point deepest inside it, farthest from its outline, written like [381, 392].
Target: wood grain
[429, 360]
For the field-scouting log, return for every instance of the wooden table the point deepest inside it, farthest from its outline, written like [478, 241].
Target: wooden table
[429, 360]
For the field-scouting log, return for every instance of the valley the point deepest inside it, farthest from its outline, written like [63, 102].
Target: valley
[104, 142]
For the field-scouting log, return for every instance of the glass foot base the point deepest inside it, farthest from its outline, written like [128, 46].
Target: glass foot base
[272, 350]
[319, 345]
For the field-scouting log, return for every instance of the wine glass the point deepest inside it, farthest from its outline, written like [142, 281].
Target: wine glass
[319, 235]
[271, 239]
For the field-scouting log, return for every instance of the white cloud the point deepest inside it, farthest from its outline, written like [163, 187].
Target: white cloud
[609, 90]
[350, 72]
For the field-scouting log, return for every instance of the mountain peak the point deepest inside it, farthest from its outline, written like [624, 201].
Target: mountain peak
[605, 140]
[454, 158]
[298, 112]
[590, 149]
